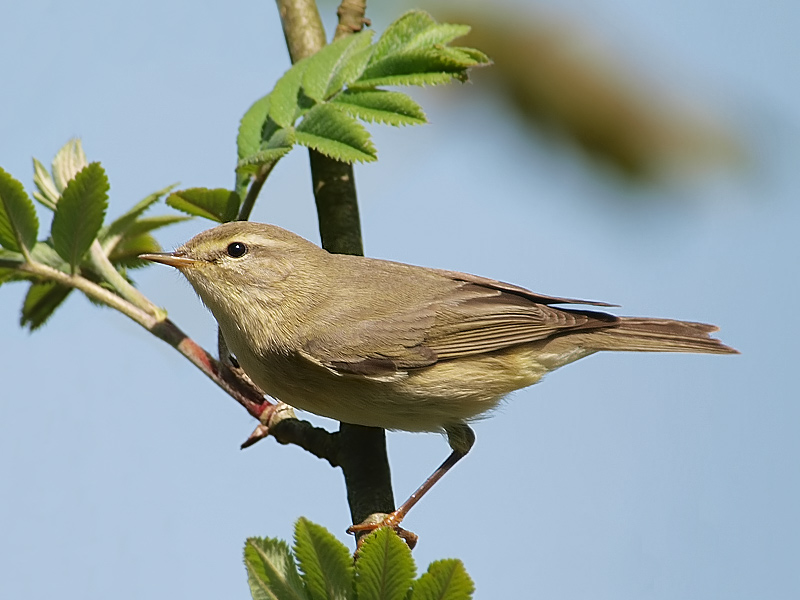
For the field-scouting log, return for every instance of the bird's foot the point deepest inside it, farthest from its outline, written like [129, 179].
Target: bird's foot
[379, 521]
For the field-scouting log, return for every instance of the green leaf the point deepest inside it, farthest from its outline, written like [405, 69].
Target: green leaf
[44, 253]
[48, 194]
[445, 580]
[219, 204]
[325, 562]
[148, 224]
[428, 66]
[335, 134]
[279, 143]
[415, 29]
[7, 275]
[40, 302]
[9, 263]
[417, 79]
[380, 106]
[126, 253]
[384, 568]
[18, 222]
[251, 164]
[80, 213]
[110, 234]
[271, 571]
[336, 65]
[9, 258]
[469, 55]
[401, 32]
[284, 100]
[413, 51]
[248, 142]
[69, 161]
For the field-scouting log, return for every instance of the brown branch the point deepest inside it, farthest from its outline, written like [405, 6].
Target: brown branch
[255, 188]
[351, 18]
[362, 450]
[272, 419]
[302, 27]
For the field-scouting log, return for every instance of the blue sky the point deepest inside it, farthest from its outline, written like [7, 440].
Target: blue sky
[621, 476]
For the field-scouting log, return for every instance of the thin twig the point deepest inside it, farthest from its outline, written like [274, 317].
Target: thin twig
[91, 289]
[351, 18]
[255, 188]
[122, 286]
[300, 433]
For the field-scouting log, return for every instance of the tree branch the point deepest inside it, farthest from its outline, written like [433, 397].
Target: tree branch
[351, 18]
[276, 422]
[362, 453]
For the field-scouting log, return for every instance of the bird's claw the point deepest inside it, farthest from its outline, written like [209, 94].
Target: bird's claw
[381, 521]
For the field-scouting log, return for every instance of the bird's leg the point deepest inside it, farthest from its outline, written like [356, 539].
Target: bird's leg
[461, 439]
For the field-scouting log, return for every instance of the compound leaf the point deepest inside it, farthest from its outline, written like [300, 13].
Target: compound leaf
[218, 204]
[335, 134]
[445, 580]
[18, 222]
[380, 106]
[40, 303]
[271, 571]
[384, 569]
[69, 160]
[80, 213]
[325, 562]
[48, 193]
[336, 65]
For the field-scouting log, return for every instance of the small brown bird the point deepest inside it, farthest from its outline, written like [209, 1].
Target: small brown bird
[385, 344]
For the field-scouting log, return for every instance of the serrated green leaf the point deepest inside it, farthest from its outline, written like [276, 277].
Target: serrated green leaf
[351, 71]
[9, 256]
[333, 67]
[384, 568]
[473, 55]
[69, 161]
[8, 275]
[48, 194]
[126, 253]
[401, 33]
[271, 571]
[416, 30]
[251, 164]
[333, 133]
[445, 580]
[9, 261]
[111, 234]
[44, 253]
[380, 106]
[18, 222]
[427, 66]
[284, 100]
[325, 562]
[438, 34]
[417, 79]
[147, 224]
[279, 143]
[80, 213]
[248, 142]
[218, 204]
[40, 302]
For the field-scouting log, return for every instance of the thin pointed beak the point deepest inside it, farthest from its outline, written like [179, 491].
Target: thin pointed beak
[174, 259]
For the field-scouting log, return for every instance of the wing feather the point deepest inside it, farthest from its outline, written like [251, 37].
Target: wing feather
[446, 315]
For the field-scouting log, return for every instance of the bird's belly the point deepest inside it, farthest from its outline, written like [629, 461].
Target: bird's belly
[425, 399]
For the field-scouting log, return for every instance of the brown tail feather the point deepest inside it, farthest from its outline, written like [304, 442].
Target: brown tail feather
[660, 335]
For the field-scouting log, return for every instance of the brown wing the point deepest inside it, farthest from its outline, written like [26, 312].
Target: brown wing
[490, 318]
[463, 315]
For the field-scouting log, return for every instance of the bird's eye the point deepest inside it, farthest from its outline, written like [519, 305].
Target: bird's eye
[237, 249]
